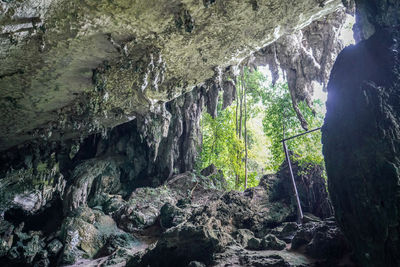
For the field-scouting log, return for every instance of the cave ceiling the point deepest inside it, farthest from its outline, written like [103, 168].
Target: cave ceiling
[71, 68]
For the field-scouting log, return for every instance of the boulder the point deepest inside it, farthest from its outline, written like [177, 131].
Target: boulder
[242, 236]
[311, 186]
[171, 215]
[185, 243]
[85, 234]
[321, 240]
[254, 244]
[271, 242]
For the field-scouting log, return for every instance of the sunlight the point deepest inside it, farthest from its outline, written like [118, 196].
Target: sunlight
[347, 38]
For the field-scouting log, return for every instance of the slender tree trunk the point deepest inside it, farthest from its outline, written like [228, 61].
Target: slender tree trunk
[214, 144]
[241, 106]
[237, 130]
[237, 109]
[245, 134]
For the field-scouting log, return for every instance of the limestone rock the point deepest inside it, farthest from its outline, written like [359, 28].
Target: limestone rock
[360, 144]
[85, 234]
[171, 215]
[286, 231]
[90, 180]
[31, 190]
[254, 244]
[322, 240]
[243, 236]
[271, 242]
[89, 66]
[311, 186]
[54, 247]
[305, 56]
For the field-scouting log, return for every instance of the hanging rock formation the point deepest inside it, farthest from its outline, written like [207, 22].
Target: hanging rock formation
[305, 57]
[101, 104]
[361, 136]
[73, 68]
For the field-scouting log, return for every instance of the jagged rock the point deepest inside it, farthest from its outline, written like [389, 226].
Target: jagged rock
[286, 231]
[25, 247]
[242, 236]
[143, 208]
[217, 220]
[322, 240]
[54, 247]
[171, 215]
[185, 243]
[237, 256]
[271, 242]
[30, 189]
[85, 234]
[304, 235]
[116, 242]
[304, 56]
[90, 180]
[360, 138]
[328, 242]
[83, 80]
[311, 186]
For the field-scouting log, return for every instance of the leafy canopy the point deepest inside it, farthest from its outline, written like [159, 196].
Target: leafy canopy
[269, 109]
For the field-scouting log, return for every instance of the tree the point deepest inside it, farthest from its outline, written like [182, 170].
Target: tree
[234, 147]
[279, 114]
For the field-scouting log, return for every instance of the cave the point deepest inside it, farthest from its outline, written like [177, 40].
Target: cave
[150, 133]
[47, 220]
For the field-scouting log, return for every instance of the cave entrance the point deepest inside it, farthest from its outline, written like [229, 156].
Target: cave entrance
[244, 139]
[48, 220]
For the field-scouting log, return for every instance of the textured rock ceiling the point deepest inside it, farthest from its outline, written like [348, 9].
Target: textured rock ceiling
[70, 68]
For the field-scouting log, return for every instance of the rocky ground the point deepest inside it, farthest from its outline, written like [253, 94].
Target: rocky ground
[190, 220]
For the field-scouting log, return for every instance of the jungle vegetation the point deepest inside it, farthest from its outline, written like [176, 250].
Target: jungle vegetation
[244, 140]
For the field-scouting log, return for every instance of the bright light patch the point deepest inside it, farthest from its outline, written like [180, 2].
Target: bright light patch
[346, 34]
[319, 92]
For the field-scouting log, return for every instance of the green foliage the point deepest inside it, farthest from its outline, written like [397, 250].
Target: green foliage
[279, 113]
[268, 109]
[221, 145]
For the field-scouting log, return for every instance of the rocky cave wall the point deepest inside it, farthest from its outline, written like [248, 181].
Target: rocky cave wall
[166, 140]
[361, 135]
[305, 57]
[74, 68]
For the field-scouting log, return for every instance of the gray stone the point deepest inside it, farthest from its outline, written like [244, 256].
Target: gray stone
[254, 244]
[54, 247]
[271, 242]
[129, 68]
